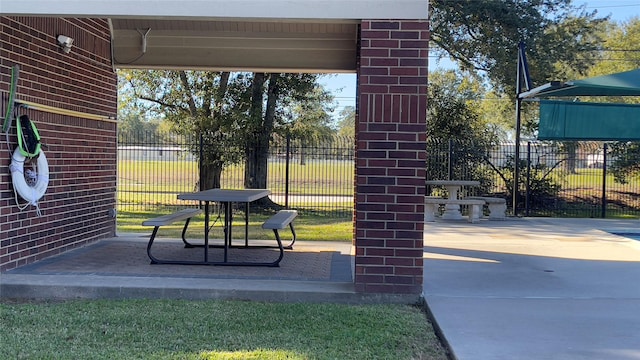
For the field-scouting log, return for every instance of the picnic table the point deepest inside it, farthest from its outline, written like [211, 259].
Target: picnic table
[226, 197]
[452, 203]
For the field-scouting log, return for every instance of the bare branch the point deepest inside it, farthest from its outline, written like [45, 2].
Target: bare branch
[187, 86]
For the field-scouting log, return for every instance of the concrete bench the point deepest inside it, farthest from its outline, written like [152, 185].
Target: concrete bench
[279, 221]
[432, 204]
[157, 222]
[497, 206]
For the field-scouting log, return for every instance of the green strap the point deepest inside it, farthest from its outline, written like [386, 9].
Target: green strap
[12, 94]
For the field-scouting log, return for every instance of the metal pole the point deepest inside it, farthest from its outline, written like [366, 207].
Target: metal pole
[528, 185]
[200, 166]
[201, 154]
[516, 170]
[516, 166]
[522, 70]
[450, 164]
[603, 212]
[286, 171]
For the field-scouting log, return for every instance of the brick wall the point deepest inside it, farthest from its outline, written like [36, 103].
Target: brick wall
[390, 156]
[81, 151]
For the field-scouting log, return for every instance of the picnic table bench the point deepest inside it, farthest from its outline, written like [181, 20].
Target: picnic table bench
[279, 221]
[497, 206]
[432, 204]
[157, 222]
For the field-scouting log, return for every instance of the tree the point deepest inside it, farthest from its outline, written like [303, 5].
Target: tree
[133, 126]
[234, 114]
[453, 115]
[622, 54]
[195, 103]
[274, 110]
[347, 121]
[483, 35]
[453, 107]
[310, 120]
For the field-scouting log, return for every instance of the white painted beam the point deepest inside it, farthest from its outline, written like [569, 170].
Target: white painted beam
[215, 9]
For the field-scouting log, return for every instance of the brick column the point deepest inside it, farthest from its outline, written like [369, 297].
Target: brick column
[390, 156]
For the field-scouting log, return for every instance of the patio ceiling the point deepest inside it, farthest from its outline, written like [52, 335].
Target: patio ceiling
[249, 35]
[248, 45]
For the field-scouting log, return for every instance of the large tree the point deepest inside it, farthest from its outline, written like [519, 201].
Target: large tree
[458, 138]
[235, 114]
[483, 35]
[194, 103]
[347, 121]
[292, 104]
[621, 54]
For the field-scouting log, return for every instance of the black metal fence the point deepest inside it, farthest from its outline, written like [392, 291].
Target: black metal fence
[309, 175]
[563, 179]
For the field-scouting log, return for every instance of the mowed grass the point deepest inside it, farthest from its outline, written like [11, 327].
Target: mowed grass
[309, 226]
[313, 178]
[180, 329]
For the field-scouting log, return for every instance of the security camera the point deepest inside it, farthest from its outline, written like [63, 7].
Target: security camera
[65, 43]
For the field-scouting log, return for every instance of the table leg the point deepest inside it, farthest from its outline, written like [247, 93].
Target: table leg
[452, 211]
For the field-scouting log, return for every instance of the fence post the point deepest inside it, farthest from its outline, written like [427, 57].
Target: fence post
[286, 172]
[528, 186]
[450, 164]
[603, 212]
[200, 157]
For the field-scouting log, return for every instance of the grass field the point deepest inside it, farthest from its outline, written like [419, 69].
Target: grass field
[313, 178]
[326, 185]
[149, 184]
[179, 329]
[309, 226]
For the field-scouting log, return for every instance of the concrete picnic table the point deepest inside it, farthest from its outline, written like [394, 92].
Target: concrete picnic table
[452, 211]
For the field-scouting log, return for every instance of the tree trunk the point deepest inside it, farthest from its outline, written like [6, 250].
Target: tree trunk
[303, 158]
[571, 163]
[252, 149]
[257, 147]
[210, 176]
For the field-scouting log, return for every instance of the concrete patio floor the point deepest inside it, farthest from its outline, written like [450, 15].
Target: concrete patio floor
[119, 268]
[523, 288]
[535, 288]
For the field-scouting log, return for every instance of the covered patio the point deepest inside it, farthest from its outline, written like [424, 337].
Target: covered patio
[118, 267]
[384, 42]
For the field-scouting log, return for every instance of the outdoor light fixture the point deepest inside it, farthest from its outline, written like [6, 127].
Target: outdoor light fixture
[65, 43]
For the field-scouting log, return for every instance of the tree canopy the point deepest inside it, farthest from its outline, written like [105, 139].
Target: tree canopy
[483, 35]
[234, 114]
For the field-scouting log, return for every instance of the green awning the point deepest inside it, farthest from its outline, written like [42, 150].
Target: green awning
[562, 120]
[620, 84]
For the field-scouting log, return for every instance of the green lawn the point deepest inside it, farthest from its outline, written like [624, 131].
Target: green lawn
[314, 177]
[309, 226]
[179, 329]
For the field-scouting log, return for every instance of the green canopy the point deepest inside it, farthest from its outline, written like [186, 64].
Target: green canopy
[562, 120]
[620, 84]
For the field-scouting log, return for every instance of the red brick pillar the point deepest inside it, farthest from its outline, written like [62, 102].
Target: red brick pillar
[390, 156]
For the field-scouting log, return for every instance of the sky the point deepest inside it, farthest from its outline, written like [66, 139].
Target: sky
[343, 86]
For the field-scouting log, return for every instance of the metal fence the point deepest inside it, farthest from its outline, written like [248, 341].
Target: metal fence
[562, 179]
[308, 175]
